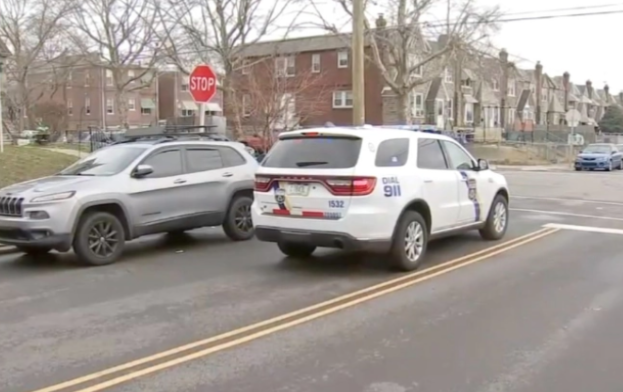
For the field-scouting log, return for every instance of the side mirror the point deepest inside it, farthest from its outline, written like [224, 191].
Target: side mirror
[483, 164]
[613, 152]
[142, 171]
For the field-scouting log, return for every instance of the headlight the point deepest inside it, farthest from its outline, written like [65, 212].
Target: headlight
[54, 197]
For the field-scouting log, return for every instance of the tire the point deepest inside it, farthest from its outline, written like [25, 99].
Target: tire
[84, 244]
[578, 169]
[238, 225]
[609, 168]
[494, 229]
[411, 224]
[292, 249]
[34, 250]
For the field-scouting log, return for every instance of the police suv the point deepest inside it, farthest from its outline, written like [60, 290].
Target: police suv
[374, 189]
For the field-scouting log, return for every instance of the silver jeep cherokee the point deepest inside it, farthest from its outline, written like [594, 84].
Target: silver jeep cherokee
[129, 190]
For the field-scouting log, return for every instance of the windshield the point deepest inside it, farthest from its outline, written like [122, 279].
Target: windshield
[597, 149]
[105, 162]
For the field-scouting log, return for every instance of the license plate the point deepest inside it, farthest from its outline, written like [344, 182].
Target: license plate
[295, 189]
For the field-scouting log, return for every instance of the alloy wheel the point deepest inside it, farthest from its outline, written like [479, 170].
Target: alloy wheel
[103, 239]
[243, 219]
[414, 241]
[499, 217]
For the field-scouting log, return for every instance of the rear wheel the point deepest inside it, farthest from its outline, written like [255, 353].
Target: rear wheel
[410, 242]
[238, 224]
[296, 250]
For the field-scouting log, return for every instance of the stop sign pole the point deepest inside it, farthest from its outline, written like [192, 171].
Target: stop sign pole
[202, 87]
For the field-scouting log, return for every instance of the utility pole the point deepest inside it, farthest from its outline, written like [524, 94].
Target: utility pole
[359, 108]
[1, 120]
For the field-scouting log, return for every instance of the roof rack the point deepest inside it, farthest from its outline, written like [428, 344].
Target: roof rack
[168, 133]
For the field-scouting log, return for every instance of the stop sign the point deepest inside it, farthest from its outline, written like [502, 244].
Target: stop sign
[202, 83]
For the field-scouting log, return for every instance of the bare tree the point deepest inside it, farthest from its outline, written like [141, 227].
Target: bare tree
[400, 40]
[33, 30]
[215, 32]
[273, 98]
[125, 34]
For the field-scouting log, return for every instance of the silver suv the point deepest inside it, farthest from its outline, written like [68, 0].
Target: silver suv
[129, 190]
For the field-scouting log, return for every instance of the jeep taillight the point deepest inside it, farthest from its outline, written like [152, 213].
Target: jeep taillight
[355, 186]
[262, 184]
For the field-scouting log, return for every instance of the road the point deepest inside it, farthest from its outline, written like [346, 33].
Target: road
[540, 314]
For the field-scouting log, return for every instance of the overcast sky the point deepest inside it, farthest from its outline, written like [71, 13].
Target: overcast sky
[587, 47]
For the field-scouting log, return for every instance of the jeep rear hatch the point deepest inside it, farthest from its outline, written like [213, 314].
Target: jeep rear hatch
[311, 175]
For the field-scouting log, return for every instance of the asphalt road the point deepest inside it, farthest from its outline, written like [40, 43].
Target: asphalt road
[539, 316]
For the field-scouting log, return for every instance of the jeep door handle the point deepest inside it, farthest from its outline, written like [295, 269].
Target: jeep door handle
[228, 174]
[179, 181]
[428, 181]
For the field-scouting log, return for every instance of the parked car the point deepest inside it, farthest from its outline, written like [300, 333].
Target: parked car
[601, 156]
[374, 189]
[128, 190]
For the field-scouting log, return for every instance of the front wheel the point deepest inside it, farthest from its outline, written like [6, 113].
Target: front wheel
[410, 242]
[99, 239]
[238, 225]
[497, 221]
[609, 168]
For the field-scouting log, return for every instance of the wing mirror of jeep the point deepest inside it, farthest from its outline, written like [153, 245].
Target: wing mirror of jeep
[142, 171]
[483, 164]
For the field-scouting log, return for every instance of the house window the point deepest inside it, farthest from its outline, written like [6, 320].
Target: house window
[109, 79]
[465, 83]
[315, 63]
[496, 85]
[184, 86]
[439, 106]
[87, 106]
[511, 116]
[87, 78]
[110, 106]
[145, 110]
[342, 99]
[70, 108]
[131, 76]
[417, 105]
[511, 87]
[469, 113]
[70, 77]
[285, 66]
[246, 105]
[188, 113]
[342, 59]
[450, 108]
[448, 75]
[246, 69]
[131, 104]
[544, 94]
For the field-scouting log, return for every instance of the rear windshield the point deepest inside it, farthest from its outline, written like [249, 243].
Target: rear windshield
[316, 152]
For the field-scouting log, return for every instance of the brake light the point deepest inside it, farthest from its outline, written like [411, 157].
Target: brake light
[311, 133]
[356, 186]
[262, 184]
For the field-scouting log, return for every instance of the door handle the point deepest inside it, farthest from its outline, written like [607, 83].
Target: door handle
[179, 181]
[228, 174]
[428, 181]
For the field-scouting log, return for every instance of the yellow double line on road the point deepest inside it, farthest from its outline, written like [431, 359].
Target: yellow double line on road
[141, 367]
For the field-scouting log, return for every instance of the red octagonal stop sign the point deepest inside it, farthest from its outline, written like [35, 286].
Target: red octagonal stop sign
[202, 83]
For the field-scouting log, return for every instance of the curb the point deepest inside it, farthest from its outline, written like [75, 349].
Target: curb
[5, 250]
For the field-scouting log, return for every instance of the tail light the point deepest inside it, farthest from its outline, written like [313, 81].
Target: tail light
[356, 186]
[262, 184]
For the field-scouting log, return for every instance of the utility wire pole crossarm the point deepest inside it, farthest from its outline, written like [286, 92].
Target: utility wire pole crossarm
[359, 113]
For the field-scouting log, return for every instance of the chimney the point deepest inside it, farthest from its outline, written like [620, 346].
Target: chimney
[607, 93]
[381, 23]
[538, 75]
[565, 83]
[621, 96]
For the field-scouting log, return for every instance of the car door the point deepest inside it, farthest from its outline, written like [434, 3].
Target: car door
[440, 186]
[209, 182]
[161, 199]
[475, 194]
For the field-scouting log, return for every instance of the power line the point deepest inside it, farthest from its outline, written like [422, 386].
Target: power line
[430, 25]
[586, 7]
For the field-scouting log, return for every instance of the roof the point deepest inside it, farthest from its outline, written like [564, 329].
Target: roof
[384, 132]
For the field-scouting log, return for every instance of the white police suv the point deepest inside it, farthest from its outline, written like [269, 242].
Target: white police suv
[374, 189]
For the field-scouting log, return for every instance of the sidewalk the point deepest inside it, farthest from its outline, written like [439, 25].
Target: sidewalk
[541, 168]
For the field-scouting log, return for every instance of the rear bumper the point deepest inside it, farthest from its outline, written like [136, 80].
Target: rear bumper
[324, 239]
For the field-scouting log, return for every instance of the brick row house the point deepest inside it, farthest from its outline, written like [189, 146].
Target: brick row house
[490, 92]
[86, 89]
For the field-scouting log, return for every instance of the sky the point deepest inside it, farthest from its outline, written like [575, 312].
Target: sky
[586, 47]
[578, 45]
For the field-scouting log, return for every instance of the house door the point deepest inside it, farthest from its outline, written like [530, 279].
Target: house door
[439, 114]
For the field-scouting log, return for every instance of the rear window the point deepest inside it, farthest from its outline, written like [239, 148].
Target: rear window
[392, 153]
[316, 152]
